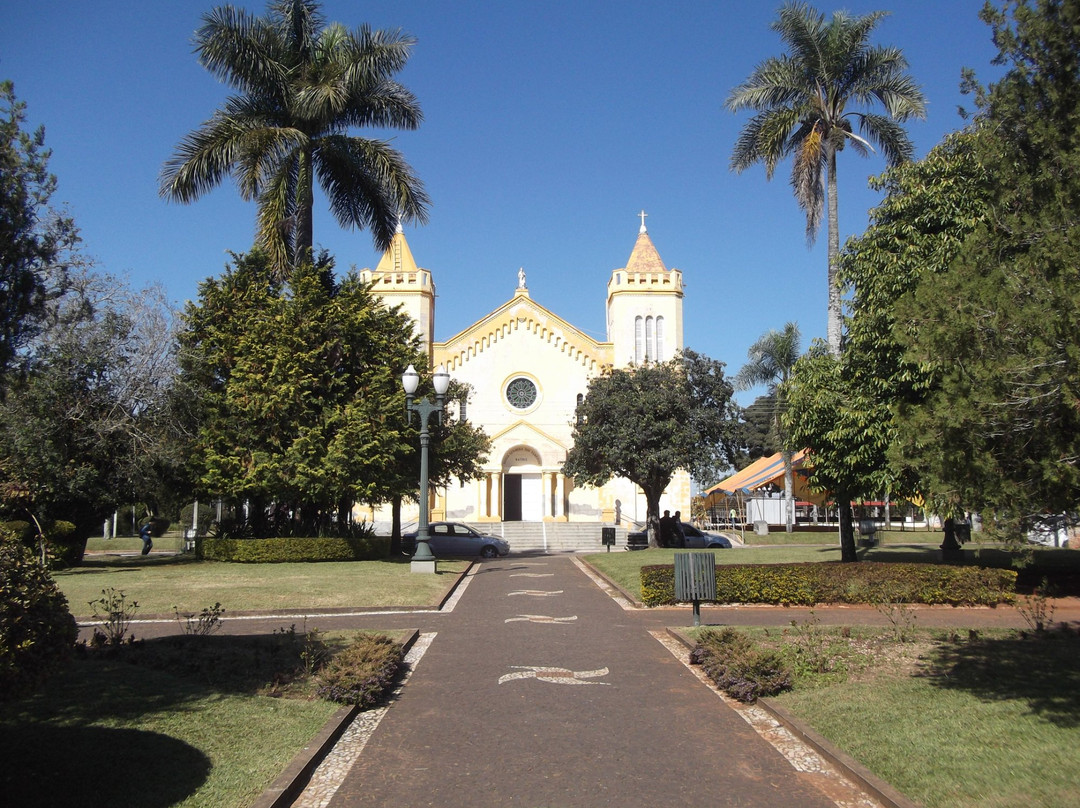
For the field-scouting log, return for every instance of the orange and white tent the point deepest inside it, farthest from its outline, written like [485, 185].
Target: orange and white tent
[762, 472]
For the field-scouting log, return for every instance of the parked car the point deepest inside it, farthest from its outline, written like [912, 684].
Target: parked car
[457, 539]
[695, 539]
[699, 539]
[1052, 529]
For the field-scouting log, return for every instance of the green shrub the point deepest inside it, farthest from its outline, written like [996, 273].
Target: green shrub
[362, 672]
[37, 632]
[262, 551]
[207, 514]
[837, 582]
[739, 667]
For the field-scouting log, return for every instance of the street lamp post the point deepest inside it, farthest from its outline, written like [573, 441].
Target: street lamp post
[423, 559]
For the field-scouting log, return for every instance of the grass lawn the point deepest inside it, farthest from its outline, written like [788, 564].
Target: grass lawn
[158, 583]
[167, 722]
[988, 722]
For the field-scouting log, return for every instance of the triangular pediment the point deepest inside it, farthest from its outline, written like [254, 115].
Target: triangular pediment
[525, 432]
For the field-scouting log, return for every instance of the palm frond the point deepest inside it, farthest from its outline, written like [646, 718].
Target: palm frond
[370, 186]
[241, 50]
[276, 221]
[889, 136]
[808, 176]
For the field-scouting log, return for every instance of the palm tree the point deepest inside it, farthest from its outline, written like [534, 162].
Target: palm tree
[771, 359]
[301, 87]
[802, 100]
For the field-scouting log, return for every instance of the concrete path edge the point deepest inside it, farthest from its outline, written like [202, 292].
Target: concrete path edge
[861, 776]
[284, 791]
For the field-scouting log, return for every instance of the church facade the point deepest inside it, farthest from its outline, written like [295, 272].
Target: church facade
[528, 369]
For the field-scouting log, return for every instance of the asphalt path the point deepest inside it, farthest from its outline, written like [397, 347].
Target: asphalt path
[539, 690]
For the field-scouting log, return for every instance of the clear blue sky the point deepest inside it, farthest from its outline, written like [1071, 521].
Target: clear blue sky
[548, 126]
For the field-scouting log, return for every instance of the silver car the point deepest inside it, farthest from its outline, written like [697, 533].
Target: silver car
[701, 539]
[457, 539]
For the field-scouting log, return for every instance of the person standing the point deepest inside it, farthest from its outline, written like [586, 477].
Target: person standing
[144, 534]
[667, 530]
[678, 537]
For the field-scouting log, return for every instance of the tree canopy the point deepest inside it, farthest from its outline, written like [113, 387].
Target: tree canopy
[299, 395]
[302, 86]
[644, 423]
[959, 376]
[1000, 428]
[35, 240]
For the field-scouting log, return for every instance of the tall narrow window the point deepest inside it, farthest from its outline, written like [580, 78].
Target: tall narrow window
[577, 410]
[659, 339]
[650, 342]
[639, 338]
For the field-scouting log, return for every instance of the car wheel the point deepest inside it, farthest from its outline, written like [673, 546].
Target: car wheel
[489, 552]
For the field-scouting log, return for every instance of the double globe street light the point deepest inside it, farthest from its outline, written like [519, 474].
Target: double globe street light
[423, 559]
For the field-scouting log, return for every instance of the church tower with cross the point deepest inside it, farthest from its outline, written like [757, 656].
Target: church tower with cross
[528, 369]
[644, 306]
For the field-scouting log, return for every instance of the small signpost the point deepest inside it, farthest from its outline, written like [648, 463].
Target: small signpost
[695, 580]
[607, 537]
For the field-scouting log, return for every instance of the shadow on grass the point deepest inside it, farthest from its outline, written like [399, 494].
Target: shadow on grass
[93, 766]
[1040, 671]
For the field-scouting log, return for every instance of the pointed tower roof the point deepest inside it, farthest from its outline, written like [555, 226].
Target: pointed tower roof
[398, 257]
[645, 258]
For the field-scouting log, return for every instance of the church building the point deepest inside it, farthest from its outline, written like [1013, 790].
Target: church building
[529, 368]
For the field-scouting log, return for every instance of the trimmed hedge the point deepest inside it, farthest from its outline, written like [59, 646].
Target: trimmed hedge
[263, 551]
[837, 582]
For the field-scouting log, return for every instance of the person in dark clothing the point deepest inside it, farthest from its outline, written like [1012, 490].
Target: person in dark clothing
[144, 534]
[667, 530]
[678, 539]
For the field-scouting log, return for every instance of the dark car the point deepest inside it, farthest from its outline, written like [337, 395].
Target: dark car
[456, 539]
[695, 539]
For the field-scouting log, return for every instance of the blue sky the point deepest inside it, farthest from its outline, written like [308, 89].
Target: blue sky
[548, 126]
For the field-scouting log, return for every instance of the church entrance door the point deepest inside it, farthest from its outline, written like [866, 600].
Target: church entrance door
[523, 486]
[511, 497]
[523, 499]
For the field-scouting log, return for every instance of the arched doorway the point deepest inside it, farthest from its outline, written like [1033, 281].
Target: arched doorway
[523, 495]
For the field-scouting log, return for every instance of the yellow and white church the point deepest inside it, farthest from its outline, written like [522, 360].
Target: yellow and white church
[529, 368]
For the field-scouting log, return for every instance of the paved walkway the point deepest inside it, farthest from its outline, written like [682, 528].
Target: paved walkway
[535, 687]
[538, 689]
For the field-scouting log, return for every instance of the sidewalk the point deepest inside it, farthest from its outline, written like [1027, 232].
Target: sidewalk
[539, 690]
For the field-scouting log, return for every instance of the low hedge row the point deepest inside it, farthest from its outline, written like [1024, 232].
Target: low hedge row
[837, 582]
[262, 551]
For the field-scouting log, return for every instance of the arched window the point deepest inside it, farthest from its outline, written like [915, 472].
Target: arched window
[639, 341]
[580, 417]
[659, 339]
[650, 340]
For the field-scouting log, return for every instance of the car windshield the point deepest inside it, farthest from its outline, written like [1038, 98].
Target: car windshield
[690, 530]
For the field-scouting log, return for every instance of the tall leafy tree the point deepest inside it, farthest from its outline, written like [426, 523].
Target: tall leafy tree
[302, 86]
[299, 397]
[847, 410]
[645, 423]
[771, 359]
[809, 102]
[35, 240]
[88, 425]
[1000, 429]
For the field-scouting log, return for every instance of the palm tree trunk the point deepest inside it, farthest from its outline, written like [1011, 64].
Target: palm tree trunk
[789, 492]
[832, 332]
[305, 201]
